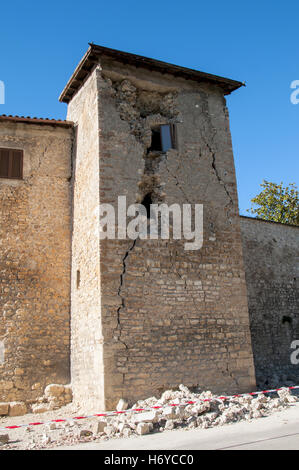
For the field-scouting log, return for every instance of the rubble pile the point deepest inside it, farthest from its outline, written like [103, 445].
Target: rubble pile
[55, 396]
[201, 414]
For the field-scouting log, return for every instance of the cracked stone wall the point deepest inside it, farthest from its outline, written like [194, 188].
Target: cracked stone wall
[35, 262]
[271, 254]
[162, 315]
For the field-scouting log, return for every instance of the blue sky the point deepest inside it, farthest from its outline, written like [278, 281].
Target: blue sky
[256, 41]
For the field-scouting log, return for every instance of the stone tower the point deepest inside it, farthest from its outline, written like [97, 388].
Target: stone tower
[147, 315]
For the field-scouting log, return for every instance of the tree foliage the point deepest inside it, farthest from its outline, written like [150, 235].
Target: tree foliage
[277, 203]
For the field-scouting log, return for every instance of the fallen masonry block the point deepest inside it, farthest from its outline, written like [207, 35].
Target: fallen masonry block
[54, 390]
[99, 426]
[4, 409]
[147, 417]
[40, 408]
[122, 405]
[144, 428]
[17, 408]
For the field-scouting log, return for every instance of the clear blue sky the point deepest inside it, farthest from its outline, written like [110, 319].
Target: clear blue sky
[256, 41]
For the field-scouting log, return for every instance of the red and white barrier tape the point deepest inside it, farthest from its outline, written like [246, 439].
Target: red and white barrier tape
[157, 407]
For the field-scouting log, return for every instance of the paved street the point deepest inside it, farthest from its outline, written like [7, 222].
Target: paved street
[279, 431]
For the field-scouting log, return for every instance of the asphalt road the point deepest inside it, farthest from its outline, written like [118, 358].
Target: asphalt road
[279, 431]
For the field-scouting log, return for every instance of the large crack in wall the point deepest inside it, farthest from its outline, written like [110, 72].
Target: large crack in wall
[122, 297]
[217, 174]
[212, 148]
[143, 110]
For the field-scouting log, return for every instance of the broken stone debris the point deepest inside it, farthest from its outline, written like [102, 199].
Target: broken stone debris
[122, 405]
[17, 408]
[200, 414]
[144, 428]
[55, 396]
[187, 416]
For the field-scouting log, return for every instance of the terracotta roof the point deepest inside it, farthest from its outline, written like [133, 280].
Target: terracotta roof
[30, 120]
[95, 52]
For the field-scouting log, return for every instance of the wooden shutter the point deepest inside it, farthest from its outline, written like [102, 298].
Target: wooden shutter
[4, 163]
[11, 163]
[16, 164]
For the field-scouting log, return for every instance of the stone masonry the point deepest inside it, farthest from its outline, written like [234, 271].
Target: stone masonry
[271, 255]
[130, 318]
[148, 314]
[35, 261]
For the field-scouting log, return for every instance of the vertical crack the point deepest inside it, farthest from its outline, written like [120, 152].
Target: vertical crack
[217, 174]
[122, 305]
[213, 132]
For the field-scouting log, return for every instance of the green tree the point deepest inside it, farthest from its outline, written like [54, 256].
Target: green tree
[277, 203]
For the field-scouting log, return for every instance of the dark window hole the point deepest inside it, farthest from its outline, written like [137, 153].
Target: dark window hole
[146, 202]
[163, 138]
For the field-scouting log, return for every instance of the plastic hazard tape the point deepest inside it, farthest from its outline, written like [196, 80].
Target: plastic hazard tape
[156, 407]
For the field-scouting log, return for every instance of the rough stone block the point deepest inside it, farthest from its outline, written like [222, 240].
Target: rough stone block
[147, 417]
[40, 408]
[144, 428]
[122, 405]
[54, 390]
[4, 409]
[99, 426]
[17, 408]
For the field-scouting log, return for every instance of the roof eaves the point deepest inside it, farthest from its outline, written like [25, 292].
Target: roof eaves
[91, 58]
[81, 73]
[30, 120]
